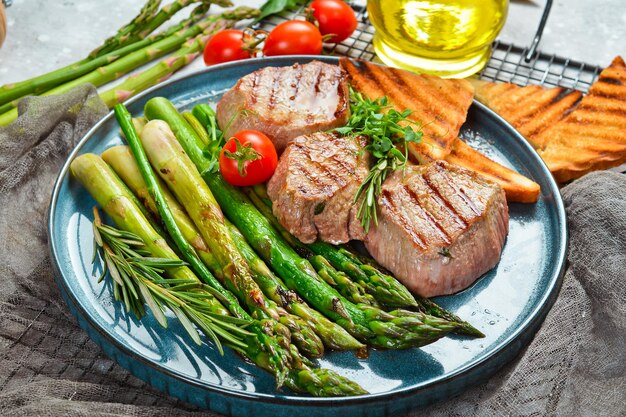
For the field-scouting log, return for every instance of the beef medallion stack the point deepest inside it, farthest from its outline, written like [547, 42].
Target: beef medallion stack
[440, 225]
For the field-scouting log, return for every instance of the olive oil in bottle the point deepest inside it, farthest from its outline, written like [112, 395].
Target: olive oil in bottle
[447, 38]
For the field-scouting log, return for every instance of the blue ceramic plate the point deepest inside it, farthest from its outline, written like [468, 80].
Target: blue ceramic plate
[507, 304]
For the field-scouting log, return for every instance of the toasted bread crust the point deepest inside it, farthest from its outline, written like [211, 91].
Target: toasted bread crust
[573, 134]
[593, 136]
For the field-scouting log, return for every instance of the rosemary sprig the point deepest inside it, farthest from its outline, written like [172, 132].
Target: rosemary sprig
[388, 131]
[137, 279]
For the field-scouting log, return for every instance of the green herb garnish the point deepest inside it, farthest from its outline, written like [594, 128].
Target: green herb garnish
[137, 280]
[388, 131]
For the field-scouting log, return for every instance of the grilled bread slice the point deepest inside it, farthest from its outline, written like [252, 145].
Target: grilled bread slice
[592, 136]
[573, 134]
[441, 105]
[530, 109]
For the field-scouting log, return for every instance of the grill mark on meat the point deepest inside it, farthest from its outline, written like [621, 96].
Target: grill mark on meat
[386, 200]
[321, 167]
[310, 171]
[443, 172]
[296, 84]
[272, 99]
[253, 90]
[416, 203]
[318, 80]
[445, 202]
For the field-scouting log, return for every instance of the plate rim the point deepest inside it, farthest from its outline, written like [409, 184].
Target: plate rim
[534, 318]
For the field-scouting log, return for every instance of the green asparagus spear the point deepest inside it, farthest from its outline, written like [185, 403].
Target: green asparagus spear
[350, 289]
[334, 337]
[260, 348]
[145, 14]
[399, 329]
[140, 30]
[376, 273]
[197, 126]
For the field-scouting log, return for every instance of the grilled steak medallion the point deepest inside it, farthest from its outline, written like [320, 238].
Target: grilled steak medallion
[314, 185]
[287, 102]
[440, 227]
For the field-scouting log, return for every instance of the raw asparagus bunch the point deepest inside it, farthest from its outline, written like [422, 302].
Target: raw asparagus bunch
[123, 65]
[333, 336]
[264, 350]
[10, 93]
[125, 32]
[138, 30]
[400, 329]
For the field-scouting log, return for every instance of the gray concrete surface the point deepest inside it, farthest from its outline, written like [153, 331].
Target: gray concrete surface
[44, 34]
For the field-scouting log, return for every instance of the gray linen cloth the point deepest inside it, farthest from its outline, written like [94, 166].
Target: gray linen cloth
[576, 364]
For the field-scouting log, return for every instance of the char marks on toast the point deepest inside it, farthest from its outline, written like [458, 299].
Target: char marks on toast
[573, 134]
[438, 105]
[530, 109]
[592, 136]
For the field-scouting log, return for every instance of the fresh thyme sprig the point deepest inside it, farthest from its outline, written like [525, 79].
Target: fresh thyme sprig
[388, 131]
[137, 279]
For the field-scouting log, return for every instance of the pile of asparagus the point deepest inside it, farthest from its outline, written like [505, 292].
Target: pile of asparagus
[131, 47]
[245, 281]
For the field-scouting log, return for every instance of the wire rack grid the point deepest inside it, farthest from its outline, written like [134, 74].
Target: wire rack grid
[506, 64]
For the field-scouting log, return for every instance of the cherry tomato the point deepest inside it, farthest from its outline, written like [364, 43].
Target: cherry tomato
[248, 158]
[293, 37]
[226, 46]
[334, 17]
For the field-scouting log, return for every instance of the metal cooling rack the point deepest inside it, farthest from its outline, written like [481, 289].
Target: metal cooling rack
[507, 63]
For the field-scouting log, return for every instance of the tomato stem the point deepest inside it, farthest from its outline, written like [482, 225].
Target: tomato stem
[242, 154]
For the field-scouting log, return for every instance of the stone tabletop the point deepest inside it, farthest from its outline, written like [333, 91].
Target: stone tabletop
[44, 35]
